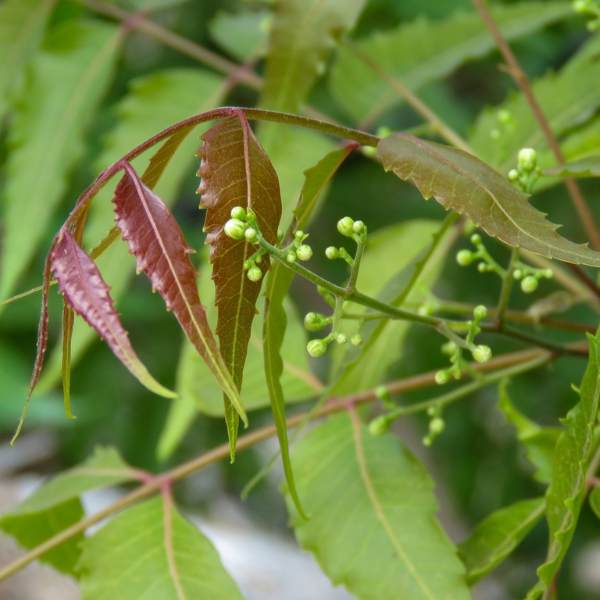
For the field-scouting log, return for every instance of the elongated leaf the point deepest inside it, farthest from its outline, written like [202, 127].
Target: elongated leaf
[462, 182]
[450, 43]
[587, 167]
[235, 171]
[572, 458]
[497, 536]
[22, 24]
[151, 551]
[594, 501]
[539, 442]
[372, 508]
[68, 79]
[55, 505]
[154, 102]
[161, 252]
[80, 281]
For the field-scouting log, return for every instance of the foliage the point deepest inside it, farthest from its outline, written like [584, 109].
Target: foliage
[90, 83]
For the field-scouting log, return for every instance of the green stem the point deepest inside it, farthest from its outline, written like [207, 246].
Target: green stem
[506, 289]
[360, 248]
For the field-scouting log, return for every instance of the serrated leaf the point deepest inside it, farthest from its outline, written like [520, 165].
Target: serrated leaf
[572, 458]
[450, 43]
[151, 551]
[497, 536]
[462, 182]
[587, 167]
[539, 442]
[68, 79]
[84, 289]
[236, 171]
[153, 103]
[372, 523]
[160, 249]
[242, 34]
[55, 505]
[22, 25]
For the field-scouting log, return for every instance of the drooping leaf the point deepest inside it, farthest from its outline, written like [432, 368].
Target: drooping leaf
[497, 536]
[236, 171]
[450, 43]
[156, 240]
[587, 167]
[151, 551]
[539, 442]
[571, 460]
[462, 182]
[241, 34]
[68, 79]
[372, 523]
[81, 282]
[55, 505]
[154, 102]
[22, 24]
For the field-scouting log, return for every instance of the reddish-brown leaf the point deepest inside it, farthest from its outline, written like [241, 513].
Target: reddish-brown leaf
[155, 239]
[84, 289]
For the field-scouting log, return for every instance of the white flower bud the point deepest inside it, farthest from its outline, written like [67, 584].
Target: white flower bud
[304, 252]
[527, 160]
[254, 274]
[482, 353]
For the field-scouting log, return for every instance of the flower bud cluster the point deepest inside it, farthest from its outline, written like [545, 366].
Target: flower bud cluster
[530, 277]
[351, 228]
[589, 7]
[485, 263]
[436, 425]
[527, 172]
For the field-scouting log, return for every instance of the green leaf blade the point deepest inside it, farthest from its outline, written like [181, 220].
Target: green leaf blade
[586, 167]
[462, 182]
[372, 523]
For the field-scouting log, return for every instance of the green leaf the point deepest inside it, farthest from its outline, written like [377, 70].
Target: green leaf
[55, 505]
[539, 442]
[243, 34]
[22, 25]
[182, 413]
[151, 551]
[462, 182]
[594, 501]
[46, 137]
[572, 458]
[372, 523]
[153, 103]
[450, 43]
[587, 167]
[497, 536]
[236, 171]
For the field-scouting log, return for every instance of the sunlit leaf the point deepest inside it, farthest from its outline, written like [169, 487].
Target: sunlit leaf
[80, 281]
[587, 167]
[497, 536]
[241, 34]
[151, 551]
[22, 24]
[68, 79]
[450, 43]
[235, 171]
[462, 182]
[55, 505]
[372, 523]
[571, 460]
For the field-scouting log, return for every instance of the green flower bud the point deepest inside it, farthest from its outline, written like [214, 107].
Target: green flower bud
[251, 235]
[464, 257]
[247, 264]
[527, 160]
[254, 274]
[359, 227]
[304, 252]
[482, 353]
[316, 348]
[346, 226]
[442, 377]
[482, 267]
[238, 213]
[504, 116]
[513, 175]
[313, 321]
[517, 274]
[341, 338]
[476, 239]
[299, 235]
[449, 348]
[582, 6]
[548, 273]
[529, 284]
[437, 425]
[480, 312]
[356, 340]
[235, 229]
[332, 253]
[380, 425]
[291, 257]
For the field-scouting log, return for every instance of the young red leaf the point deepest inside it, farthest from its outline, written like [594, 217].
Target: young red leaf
[155, 239]
[236, 171]
[84, 289]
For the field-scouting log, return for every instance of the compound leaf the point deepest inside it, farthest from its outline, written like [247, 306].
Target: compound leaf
[462, 182]
[151, 551]
[372, 523]
[81, 282]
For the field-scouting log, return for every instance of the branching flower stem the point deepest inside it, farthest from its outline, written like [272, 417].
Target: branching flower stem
[524, 361]
[506, 289]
